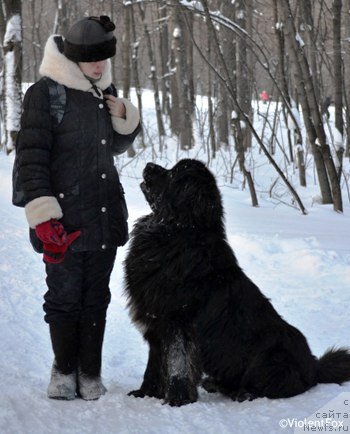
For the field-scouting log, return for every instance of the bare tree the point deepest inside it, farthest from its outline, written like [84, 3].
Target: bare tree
[282, 77]
[163, 20]
[63, 16]
[224, 107]
[12, 49]
[338, 85]
[126, 45]
[186, 136]
[134, 64]
[346, 75]
[327, 174]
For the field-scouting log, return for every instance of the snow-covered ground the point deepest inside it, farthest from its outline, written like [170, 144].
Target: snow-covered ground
[302, 263]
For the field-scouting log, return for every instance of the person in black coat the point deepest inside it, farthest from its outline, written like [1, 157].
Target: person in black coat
[74, 201]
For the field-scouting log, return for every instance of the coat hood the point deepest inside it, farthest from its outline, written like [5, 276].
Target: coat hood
[58, 67]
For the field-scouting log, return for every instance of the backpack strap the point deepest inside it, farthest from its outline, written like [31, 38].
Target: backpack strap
[58, 100]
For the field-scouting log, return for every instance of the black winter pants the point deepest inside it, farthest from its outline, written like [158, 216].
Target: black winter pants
[78, 287]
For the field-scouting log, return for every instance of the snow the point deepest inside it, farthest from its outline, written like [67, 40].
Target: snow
[299, 39]
[195, 5]
[296, 118]
[338, 139]
[302, 263]
[177, 32]
[13, 29]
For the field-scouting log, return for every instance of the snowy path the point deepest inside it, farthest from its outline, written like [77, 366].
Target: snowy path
[301, 262]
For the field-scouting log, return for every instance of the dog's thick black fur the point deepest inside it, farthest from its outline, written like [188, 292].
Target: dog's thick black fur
[199, 312]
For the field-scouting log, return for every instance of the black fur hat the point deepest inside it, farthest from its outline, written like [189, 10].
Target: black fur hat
[90, 40]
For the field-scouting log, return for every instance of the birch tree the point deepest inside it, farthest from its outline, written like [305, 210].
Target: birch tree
[153, 74]
[327, 174]
[12, 51]
[185, 108]
[338, 85]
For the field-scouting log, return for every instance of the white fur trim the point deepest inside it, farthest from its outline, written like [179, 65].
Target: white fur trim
[56, 66]
[42, 209]
[128, 125]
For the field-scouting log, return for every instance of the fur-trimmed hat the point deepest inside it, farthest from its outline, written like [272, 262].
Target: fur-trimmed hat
[90, 40]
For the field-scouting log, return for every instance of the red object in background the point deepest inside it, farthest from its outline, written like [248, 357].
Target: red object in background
[264, 96]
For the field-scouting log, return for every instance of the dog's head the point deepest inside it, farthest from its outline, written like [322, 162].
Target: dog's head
[186, 195]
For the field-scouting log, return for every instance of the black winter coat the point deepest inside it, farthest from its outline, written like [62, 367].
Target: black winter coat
[74, 162]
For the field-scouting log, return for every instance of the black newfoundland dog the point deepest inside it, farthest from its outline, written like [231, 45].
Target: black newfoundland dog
[198, 311]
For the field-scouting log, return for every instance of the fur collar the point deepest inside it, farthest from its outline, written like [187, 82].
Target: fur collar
[56, 66]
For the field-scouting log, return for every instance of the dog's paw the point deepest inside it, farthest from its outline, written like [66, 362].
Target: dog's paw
[150, 392]
[181, 392]
[209, 385]
[242, 395]
[137, 393]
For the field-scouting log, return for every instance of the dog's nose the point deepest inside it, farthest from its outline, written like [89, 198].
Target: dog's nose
[150, 166]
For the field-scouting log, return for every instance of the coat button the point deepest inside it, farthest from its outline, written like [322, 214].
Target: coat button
[103, 176]
[61, 195]
[103, 246]
[101, 106]
[103, 209]
[103, 141]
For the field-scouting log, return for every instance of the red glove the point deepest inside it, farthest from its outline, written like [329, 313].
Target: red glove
[54, 253]
[55, 240]
[51, 232]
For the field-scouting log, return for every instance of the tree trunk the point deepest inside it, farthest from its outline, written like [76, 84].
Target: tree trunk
[239, 143]
[227, 40]
[311, 113]
[153, 68]
[175, 119]
[338, 85]
[347, 74]
[186, 137]
[126, 45]
[135, 71]
[12, 49]
[190, 68]
[244, 12]
[307, 28]
[62, 22]
[211, 144]
[297, 49]
[165, 58]
[283, 82]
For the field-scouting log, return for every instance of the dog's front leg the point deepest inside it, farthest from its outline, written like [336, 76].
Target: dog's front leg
[181, 366]
[153, 380]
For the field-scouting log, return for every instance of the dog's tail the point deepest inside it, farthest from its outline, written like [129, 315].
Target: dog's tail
[334, 366]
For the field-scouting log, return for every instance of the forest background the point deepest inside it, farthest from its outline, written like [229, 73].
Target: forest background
[230, 51]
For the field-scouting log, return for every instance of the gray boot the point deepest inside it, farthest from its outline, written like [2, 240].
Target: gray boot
[91, 334]
[62, 386]
[90, 388]
[64, 339]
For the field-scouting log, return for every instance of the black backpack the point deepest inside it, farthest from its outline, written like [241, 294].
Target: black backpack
[58, 99]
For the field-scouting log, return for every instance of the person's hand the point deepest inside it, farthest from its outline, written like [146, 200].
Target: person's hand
[116, 107]
[51, 232]
[54, 254]
[55, 240]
